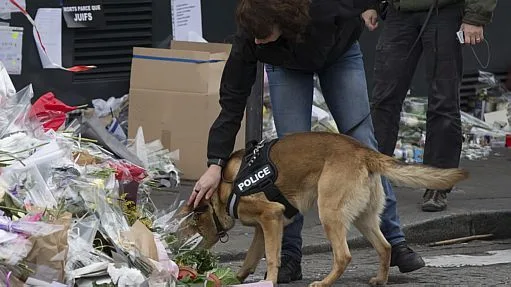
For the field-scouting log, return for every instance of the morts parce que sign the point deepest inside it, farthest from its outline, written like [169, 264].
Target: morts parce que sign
[83, 14]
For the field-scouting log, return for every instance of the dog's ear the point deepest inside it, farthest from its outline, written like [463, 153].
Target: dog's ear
[203, 206]
[184, 210]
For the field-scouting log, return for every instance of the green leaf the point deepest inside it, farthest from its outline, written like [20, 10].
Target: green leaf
[226, 275]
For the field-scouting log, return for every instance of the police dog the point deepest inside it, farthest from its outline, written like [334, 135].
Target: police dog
[339, 173]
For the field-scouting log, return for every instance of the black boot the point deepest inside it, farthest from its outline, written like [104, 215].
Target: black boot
[290, 270]
[405, 258]
[435, 200]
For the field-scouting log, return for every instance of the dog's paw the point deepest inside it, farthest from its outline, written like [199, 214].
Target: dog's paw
[317, 284]
[375, 281]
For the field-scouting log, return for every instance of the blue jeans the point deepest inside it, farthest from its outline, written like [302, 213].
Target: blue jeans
[344, 88]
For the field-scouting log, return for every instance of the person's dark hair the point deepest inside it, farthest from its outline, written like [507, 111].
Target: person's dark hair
[258, 17]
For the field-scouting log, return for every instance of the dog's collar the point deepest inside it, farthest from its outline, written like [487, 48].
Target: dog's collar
[221, 232]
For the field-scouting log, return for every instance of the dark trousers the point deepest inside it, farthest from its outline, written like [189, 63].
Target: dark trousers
[393, 73]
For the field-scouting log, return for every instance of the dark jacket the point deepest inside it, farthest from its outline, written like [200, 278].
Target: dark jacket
[477, 12]
[335, 25]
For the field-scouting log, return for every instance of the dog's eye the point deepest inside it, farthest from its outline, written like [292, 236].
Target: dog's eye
[201, 209]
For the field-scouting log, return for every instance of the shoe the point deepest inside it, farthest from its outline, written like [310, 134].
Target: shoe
[290, 270]
[434, 200]
[405, 258]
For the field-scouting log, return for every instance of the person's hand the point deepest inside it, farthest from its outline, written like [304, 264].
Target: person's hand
[473, 34]
[206, 185]
[370, 18]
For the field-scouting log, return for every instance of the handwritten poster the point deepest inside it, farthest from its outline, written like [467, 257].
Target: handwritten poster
[186, 19]
[11, 39]
[6, 8]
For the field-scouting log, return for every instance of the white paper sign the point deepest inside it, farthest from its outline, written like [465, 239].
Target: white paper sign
[49, 24]
[7, 7]
[499, 116]
[11, 39]
[186, 19]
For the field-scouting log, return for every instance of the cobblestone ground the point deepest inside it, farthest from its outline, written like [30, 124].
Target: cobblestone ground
[364, 264]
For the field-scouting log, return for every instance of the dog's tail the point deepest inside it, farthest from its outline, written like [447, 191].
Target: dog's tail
[414, 175]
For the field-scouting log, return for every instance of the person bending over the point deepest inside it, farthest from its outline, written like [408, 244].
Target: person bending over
[297, 39]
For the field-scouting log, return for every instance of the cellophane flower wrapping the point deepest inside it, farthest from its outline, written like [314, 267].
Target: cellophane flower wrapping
[73, 212]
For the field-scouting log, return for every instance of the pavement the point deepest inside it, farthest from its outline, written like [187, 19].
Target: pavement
[477, 263]
[479, 205]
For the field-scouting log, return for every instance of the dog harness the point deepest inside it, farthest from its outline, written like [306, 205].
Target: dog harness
[258, 174]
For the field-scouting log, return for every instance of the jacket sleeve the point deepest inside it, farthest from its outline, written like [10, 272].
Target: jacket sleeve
[236, 84]
[372, 4]
[479, 12]
[347, 9]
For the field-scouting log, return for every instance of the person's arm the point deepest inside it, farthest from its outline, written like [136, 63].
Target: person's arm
[236, 83]
[479, 12]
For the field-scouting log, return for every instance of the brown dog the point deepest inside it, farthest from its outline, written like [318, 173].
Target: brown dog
[338, 172]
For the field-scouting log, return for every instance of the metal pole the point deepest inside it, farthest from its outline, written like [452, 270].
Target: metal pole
[254, 111]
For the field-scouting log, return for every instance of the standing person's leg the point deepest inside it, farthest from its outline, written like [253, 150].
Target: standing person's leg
[393, 72]
[444, 68]
[291, 99]
[345, 92]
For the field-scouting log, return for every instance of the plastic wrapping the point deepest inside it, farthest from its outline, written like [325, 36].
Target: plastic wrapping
[178, 229]
[104, 108]
[15, 114]
[27, 180]
[13, 251]
[158, 161]
[112, 220]
[479, 136]
[92, 127]
[81, 251]
[7, 236]
[490, 94]
[28, 228]
[7, 89]
[86, 228]
[98, 201]
[27, 188]
[17, 147]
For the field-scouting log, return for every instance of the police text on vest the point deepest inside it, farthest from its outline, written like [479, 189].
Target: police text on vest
[254, 178]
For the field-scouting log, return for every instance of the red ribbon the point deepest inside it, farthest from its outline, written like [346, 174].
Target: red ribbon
[73, 69]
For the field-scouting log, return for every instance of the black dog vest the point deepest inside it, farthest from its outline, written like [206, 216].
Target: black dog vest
[258, 174]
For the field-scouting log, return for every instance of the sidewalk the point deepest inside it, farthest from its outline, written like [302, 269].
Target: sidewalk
[479, 205]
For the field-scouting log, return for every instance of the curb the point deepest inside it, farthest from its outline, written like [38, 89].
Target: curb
[496, 222]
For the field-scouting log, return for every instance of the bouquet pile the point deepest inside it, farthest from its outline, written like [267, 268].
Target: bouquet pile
[76, 208]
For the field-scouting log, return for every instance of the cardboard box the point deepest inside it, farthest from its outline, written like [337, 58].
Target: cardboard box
[174, 96]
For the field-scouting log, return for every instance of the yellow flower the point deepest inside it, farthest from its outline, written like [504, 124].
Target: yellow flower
[99, 183]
